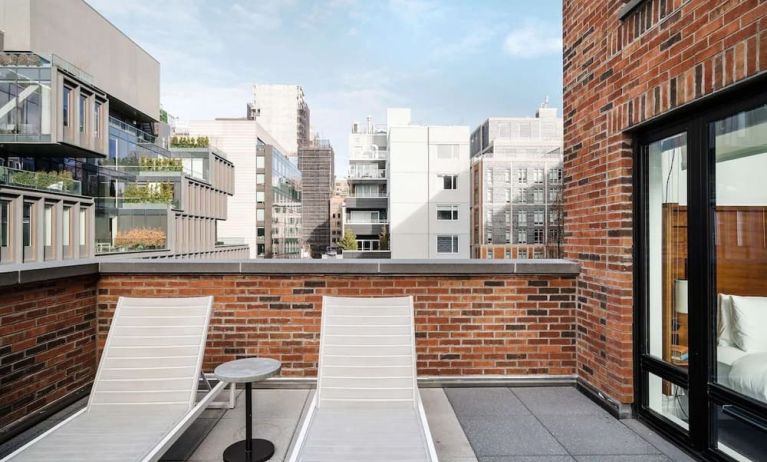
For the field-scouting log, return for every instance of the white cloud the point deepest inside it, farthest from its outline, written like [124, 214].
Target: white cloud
[533, 39]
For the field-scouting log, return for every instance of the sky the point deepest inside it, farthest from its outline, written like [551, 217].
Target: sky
[452, 62]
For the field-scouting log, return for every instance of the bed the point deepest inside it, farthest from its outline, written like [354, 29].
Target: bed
[742, 345]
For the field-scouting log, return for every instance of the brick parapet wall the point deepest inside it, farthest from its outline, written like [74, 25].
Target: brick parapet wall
[465, 325]
[617, 74]
[47, 344]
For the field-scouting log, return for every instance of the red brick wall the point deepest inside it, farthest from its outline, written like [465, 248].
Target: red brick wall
[617, 74]
[464, 325]
[47, 344]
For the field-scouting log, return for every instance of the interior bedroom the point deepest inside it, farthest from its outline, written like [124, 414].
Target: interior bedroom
[738, 151]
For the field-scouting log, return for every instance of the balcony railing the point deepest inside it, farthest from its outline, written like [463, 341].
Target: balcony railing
[141, 135]
[368, 195]
[371, 221]
[44, 181]
[137, 203]
[367, 174]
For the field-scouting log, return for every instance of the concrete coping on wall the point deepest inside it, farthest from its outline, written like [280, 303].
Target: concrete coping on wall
[28, 273]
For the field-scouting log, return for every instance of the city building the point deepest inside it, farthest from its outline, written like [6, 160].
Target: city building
[85, 167]
[316, 161]
[265, 211]
[336, 212]
[282, 111]
[665, 151]
[341, 187]
[516, 187]
[428, 173]
[336, 221]
[366, 207]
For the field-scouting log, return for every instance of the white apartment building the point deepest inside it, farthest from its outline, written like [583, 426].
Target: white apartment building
[282, 111]
[516, 186]
[243, 141]
[428, 171]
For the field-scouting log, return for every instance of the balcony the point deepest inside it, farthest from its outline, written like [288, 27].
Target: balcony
[367, 200]
[61, 182]
[367, 174]
[488, 393]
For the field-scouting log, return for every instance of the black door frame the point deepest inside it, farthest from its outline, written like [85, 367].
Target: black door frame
[703, 393]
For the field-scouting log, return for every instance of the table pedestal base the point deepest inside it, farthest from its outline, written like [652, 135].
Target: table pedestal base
[263, 450]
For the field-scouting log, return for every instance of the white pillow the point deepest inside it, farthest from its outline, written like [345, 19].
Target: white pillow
[749, 323]
[724, 330]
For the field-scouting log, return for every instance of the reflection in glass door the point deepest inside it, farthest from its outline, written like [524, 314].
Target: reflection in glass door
[739, 144]
[667, 328]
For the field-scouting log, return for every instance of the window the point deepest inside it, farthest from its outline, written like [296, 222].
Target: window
[489, 176]
[555, 175]
[538, 175]
[508, 194]
[553, 216]
[538, 196]
[538, 253]
[449, 181]
[522, 175]
[26, 224]
[66, 97]
[83, 225]
[5, 211]
[508, 253]
[522, 218]
[447, 151]
[490, 253]
[259, 196]
[260, 178]
[48, 225]
[447, 212]
[260, 161]
[507, 215]
[508, 237]
[490, 195]
[522, 236]
[522, 254]
[538, 236]
[538, 218]
[83, 112]
[97, 119]
[507, 175]
[489, 219]
[447, 244]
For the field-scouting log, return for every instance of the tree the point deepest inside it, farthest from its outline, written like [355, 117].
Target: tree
[349, 241]
[383, 239]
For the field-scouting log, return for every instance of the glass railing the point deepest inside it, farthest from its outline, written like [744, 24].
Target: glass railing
[369, 155]
[369, 221]
[368, 195]
[137, 203]
[141, 135]
[367, 174]
[45, 181]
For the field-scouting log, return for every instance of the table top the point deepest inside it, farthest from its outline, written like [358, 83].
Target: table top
[247, 370]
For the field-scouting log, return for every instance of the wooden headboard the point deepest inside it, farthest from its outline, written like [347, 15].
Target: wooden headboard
[741, 250]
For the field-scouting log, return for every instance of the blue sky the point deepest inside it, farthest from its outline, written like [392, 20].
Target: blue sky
[452, 62]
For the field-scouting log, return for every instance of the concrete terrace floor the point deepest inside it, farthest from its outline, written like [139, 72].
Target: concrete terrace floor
[553, 424]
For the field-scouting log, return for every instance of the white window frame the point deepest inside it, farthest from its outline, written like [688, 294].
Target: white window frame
[452, 209]
[453, 243]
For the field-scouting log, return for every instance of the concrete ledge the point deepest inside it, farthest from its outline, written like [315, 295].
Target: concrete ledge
[349, 267]
[27, 273]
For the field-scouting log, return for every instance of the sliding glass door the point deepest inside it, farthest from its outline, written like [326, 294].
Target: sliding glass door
[701, 277]
[738, 144]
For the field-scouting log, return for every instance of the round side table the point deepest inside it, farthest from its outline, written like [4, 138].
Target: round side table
[247, 371]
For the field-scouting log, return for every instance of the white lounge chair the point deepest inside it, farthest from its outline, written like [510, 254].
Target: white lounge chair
[144, 393]
[367, 405]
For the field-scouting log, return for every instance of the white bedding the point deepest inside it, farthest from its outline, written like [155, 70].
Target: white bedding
[748, 375]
